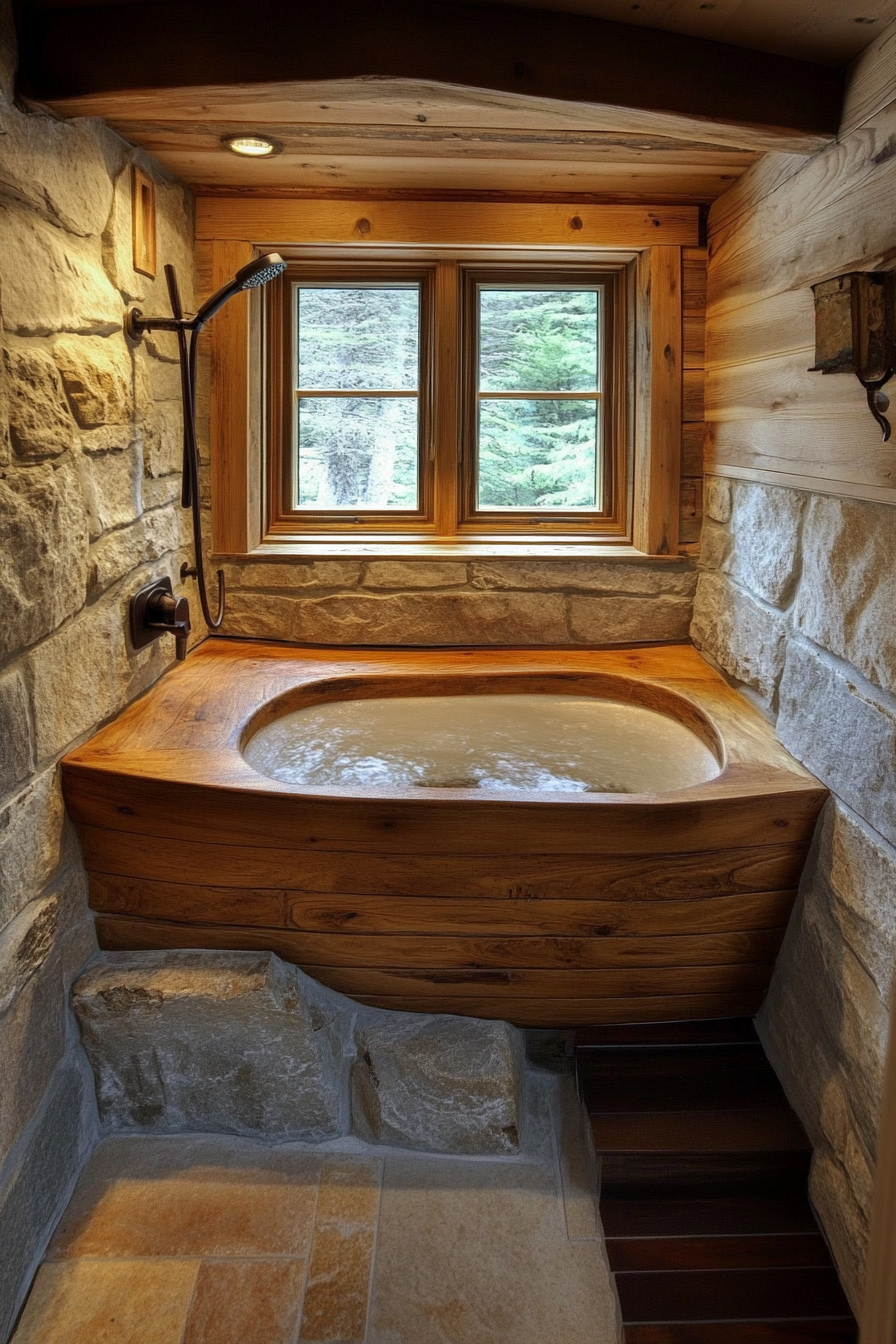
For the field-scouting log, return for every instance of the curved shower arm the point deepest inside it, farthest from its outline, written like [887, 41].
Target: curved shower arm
[255, 273]
[190, 467]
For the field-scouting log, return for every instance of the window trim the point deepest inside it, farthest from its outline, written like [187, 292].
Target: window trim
[609, 524]
[282, 519]
[447, 400]
[233, 230]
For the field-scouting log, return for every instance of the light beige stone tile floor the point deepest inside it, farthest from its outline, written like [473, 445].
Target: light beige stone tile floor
[212, 1240]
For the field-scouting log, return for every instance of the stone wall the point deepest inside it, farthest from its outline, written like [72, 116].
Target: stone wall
[88, 486]
[432, 602]
[796, 602]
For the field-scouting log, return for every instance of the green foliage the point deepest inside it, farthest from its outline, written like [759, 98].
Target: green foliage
[538, 454]
[361, 452]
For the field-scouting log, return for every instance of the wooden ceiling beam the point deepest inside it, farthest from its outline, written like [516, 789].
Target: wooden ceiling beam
[75, 58]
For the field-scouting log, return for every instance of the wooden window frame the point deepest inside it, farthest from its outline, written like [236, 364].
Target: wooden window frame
[447, 461]
[611, 523]
[230, 232]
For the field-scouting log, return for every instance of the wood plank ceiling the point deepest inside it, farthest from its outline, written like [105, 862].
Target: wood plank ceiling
[453, 98]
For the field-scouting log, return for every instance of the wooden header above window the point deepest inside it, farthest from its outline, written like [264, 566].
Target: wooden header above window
[446, 223]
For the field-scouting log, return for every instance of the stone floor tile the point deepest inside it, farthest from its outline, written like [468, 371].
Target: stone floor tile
[335, 1307]
[477, 1253]
[349, 1193]
[246, 1302]
[190, 1196]
[108, 1302]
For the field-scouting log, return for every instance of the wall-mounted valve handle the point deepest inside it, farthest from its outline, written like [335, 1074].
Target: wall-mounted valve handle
[165, 612]
[156, 611]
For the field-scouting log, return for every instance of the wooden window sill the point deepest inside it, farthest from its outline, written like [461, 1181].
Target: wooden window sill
[519, 548]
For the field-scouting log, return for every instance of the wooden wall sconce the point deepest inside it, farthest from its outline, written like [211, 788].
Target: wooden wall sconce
[855, 332]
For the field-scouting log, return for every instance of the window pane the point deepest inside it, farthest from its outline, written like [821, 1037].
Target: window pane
[357, 453]
[358, 337]
[538, 454]
[538, 340]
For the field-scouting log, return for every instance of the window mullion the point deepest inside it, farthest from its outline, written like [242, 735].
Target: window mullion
[446, 399]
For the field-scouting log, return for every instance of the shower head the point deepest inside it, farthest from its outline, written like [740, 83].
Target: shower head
[257, 272]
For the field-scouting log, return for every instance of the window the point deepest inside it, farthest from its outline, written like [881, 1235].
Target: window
[442, 398]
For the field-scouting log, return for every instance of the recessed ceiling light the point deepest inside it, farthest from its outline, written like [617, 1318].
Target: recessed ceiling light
[252, 146]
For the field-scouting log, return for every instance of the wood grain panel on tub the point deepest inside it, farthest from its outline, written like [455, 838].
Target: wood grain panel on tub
[317, 912]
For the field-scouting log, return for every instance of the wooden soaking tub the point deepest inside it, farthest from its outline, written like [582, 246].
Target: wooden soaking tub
[541, 908]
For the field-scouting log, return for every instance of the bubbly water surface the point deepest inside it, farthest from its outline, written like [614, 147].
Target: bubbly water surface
[553, 743]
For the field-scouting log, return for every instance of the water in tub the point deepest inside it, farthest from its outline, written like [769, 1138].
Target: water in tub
[548, 743]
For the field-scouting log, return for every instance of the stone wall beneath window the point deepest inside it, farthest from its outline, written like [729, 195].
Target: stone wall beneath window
[796, 603]
[445, 602]
[89, 450]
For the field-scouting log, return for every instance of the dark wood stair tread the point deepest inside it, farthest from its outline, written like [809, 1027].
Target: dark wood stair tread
[743, 1131]
[681, 1175]
[713, 1031]
[678, 1078]
[706, 1217]
[731, 1294]
[755, 1250]
[744, 1332]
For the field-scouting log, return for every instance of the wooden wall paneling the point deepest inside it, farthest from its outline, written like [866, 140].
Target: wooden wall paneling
[235, 506]
[755, 185]
[693, 302]
[807, 228]
[694, 876]
[421, 954]
[804, 454]
[659, 399]
[445, 223]
[544, 1012]
[869, 81]
[326, 912]
[768, 418]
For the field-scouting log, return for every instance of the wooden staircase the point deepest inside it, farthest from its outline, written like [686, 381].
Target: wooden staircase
[704, 1167]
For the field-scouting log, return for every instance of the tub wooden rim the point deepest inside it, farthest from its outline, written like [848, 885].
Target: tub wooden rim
[612, 687]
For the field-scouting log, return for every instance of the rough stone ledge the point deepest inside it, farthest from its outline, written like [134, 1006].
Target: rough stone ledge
[244, 1043]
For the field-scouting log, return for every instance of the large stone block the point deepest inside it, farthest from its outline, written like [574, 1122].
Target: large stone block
[844, 1222]
[860, 869]
[43, 551]
[51, 281]
[32, 1042]
[440, 1084]
[431, 618]
[220, 1042]
[847, 595]
[609, 577]
[408, 574]
[96, 374]
[744, 637]
[24, 945]
[624, 620]
[84, 674]
[841, 733]
[154, 535]
[112, 486]
[16, 744]
[37, 1182]
[40, 424]
[32, 843]
[765, 526]
[717, 498]
[292, 574]
[57, 167]
[823, 1017]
